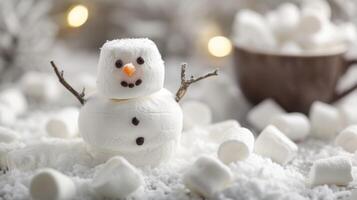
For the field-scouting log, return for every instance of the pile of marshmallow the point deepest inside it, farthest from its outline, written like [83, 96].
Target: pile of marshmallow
[276, 141]
[326, 122]
[292, 30]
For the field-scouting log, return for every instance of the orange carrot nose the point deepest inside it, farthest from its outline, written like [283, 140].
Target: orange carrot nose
[129, 69]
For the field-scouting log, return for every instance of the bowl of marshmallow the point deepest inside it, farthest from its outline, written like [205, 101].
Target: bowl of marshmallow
[294, 54]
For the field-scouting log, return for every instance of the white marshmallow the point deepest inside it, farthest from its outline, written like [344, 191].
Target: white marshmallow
[327, 40]
[290, 47]
[216, 131]
[347, 139]
[295, 126]
[348, 114]
[195, 113]
[110, 77]
[7, 135]
[248, 26]
[353, 194]
[7, 116]
[63, 124]
[117, 179]
[144, 130]
[261, 115]
[14, 99]
[325, 120]
[334, 170]
[238, 145]
[207, 176]
[348, 32]
[321, 7]
[311, 22]
[40, 86]
[51, 184]
[272, 143]
[283, 20]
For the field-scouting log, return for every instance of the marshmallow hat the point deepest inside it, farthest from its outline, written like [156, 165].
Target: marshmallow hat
[129, 68]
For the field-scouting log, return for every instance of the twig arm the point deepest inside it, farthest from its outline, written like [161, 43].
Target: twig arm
[186, 83]
[59, 74]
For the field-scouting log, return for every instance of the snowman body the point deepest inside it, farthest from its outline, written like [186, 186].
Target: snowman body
[145, 130]
[131, 114]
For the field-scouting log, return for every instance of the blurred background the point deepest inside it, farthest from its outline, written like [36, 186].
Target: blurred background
[34, 32]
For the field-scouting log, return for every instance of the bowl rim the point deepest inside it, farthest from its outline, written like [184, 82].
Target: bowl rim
[338, 50]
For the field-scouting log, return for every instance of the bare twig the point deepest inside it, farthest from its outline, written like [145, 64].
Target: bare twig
[79, 96]
[186, 83]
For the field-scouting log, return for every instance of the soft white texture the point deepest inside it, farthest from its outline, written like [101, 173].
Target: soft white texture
[335, 170]
[248, 27]
[63, 124]
[261, 115]
[272, 143]
[325, 120]
[221, 131]
[195, 113]
[14, 99]
[116, 179]
[106, 125]
[238, 145]
[348, 114]
[40, 86]
[283, 20]
[51, 184]
[291, 30]
[290, 47]
[7, 116]
[318, 6]
[347, 139]
[7, 135]
[311, 22]
[327, 39]
[207, 176]
[295, 126]
[151, 73]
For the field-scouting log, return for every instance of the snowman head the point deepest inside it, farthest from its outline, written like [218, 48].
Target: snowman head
[129, 68]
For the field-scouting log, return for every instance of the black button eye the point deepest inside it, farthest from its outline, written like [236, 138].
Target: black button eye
[118, 63]
[140, 60]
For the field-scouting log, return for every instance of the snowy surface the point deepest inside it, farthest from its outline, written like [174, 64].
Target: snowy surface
[255, 178]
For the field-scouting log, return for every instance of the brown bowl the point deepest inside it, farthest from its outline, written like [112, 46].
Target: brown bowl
[294, 81]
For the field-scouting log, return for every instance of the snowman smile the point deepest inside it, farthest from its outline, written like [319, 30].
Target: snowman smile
[131, 85]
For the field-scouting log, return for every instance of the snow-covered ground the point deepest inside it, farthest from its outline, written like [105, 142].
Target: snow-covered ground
[254, 178]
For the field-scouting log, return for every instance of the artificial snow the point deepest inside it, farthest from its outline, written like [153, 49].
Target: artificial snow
[254, 178]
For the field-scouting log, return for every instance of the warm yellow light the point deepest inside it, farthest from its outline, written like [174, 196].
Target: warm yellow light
[219, 46]
[77, 16]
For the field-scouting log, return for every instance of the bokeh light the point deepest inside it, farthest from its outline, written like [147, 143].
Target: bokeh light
[219, 46]
[77, 16]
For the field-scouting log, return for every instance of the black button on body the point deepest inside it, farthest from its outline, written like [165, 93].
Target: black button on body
[135, 121]
[140, 141]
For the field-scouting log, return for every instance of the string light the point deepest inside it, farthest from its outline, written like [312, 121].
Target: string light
[77, 16]
[219, 46]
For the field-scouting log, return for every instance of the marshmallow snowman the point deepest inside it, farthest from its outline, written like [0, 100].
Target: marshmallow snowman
[131, 115]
